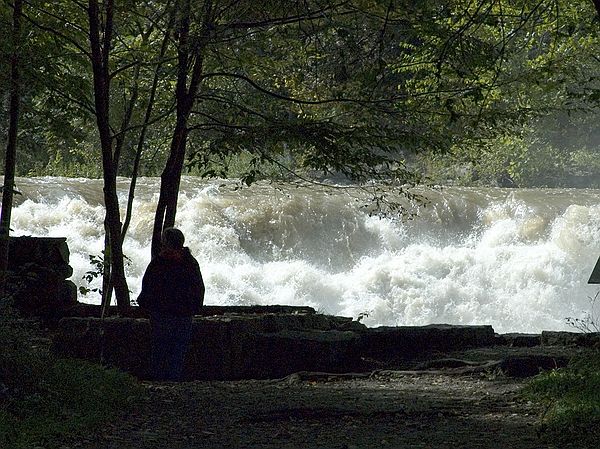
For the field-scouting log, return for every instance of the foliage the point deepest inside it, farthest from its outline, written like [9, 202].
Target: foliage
[517, 161]
[95, 273]
[44, 401]
[572, 399]
[541, 100]
[352, 90]
[527, 158]
[97, 263]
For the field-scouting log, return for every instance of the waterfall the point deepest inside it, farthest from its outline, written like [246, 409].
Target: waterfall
[517, 259]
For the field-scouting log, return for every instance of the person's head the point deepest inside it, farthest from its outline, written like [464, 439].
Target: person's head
[172, 238]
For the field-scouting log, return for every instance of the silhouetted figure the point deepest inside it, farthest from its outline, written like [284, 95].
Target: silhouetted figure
[172, 292]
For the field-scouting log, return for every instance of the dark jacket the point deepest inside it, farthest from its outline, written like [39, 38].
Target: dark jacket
[172, 285]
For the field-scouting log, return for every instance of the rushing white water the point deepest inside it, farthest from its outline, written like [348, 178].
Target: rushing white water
[516, 259]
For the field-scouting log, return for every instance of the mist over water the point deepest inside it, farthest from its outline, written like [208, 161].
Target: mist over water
[516, 259]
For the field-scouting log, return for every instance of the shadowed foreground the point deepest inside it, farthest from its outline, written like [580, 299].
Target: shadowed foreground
[396, 410]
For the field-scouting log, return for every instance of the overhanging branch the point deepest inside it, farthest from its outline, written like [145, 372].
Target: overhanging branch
[286, 20]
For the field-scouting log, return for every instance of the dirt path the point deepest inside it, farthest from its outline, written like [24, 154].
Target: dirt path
[392, 411]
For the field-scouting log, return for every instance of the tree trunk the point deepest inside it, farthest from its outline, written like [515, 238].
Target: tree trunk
[11, 147]
[169, 185]
[185, 97]
[99, 58]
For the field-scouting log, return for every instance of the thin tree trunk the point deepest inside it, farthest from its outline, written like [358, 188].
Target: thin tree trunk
[147, 117]
[106, 274]
[11, 147]
[100, 55]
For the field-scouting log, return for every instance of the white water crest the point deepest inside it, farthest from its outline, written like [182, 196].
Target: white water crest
[517, 259]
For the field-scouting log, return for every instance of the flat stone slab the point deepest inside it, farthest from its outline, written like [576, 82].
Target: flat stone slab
[405, 341]
[555, 338]
[84, 310]
[520, 340]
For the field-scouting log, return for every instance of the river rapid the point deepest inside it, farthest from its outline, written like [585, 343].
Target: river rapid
[518, 259]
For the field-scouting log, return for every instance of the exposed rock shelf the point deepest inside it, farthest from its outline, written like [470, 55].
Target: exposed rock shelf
[271, 345]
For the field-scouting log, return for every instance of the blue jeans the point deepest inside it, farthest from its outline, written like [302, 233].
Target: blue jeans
[171, 336]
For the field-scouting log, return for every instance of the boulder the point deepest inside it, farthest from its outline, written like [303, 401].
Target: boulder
[39, 267]
[232, 347]
[228, 352]
[279, 354]
[119, 342]
[41, 291]
[49, 252]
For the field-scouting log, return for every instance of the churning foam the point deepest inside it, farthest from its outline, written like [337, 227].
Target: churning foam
[516, 259]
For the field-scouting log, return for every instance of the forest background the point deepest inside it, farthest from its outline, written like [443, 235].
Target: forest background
[462, 92]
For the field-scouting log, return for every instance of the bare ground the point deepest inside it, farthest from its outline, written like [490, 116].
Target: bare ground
[388, 409]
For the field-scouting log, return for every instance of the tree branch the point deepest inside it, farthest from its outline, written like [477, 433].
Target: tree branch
[53, 30]
[87, 106]
[309, 15]
[292, 99]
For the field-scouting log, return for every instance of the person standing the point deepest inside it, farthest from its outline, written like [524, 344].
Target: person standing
[172, 293]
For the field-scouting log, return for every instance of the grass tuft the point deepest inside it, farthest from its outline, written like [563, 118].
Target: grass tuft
[571, 396]
[45, 402]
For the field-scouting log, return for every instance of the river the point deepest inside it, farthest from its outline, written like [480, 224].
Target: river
[518, 259]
